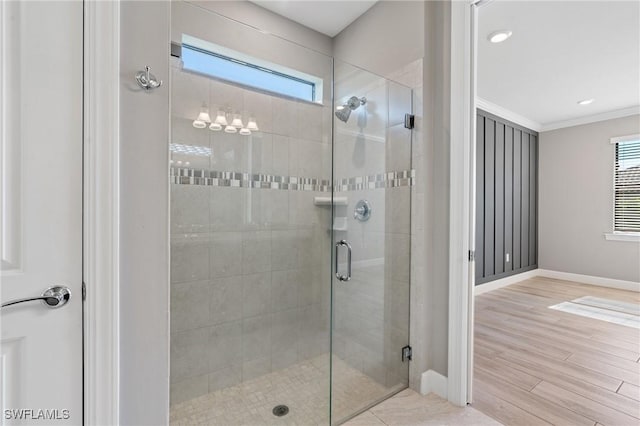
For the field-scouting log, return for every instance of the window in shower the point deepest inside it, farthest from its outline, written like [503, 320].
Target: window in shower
[238, 68]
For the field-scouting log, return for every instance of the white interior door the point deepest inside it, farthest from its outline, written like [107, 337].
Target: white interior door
[41, 205]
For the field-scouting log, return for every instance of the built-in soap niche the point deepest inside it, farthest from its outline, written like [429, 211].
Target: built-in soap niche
[340, 212]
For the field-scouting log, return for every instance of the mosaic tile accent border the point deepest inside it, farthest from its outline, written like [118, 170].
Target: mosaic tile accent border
[188, 176]
[381, 180]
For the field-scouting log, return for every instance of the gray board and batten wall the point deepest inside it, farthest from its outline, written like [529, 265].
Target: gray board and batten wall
[506, 198]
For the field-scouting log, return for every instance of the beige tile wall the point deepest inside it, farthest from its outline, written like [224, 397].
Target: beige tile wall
[249, 267]
[250, 276]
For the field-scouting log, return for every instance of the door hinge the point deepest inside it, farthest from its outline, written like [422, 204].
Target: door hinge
[407, 353]
[472, 255]
[84, 291]
[409, 121]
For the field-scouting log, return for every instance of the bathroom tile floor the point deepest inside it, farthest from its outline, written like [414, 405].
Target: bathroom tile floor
[303, 387]
[410, 408]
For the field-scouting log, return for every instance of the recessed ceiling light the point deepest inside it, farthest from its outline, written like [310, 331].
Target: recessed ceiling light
[499, 36]
[586, 101]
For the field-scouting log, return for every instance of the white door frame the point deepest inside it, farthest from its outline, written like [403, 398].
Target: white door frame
[462, 201]
[101, 211]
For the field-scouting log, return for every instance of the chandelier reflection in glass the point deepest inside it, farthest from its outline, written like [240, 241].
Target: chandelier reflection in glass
[221, 122]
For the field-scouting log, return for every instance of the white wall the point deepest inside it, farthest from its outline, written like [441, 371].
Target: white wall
[576, 202]
[258, 17]
[436, 156]
[385, 38]
[212, 27]
[144, 228]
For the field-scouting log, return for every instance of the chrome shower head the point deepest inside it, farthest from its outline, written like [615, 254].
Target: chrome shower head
[344, 111]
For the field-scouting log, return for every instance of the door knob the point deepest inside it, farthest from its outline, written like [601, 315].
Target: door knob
[53, 297]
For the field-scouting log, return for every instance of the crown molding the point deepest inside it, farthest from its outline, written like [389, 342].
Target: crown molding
[502, 112]
[507, 114]
[610, 115]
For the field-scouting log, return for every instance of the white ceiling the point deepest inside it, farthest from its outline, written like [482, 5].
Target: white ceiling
[328, 17]
[560, 53]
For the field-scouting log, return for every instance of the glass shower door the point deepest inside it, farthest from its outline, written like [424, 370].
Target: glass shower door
[250, 228]
[371, 237]
[262, 331]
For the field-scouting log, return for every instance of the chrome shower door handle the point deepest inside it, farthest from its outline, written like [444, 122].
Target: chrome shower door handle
[53, 297]
[339, 276]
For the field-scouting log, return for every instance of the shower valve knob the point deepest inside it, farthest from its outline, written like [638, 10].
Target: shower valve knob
[362, 211]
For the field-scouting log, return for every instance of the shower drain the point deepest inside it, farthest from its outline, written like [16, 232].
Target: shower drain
[280, 410]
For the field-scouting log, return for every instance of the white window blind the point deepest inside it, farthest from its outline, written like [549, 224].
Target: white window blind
[627, 184]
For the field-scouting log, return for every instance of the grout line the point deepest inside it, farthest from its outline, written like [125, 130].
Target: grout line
[526, 370]
[374, 415]
[495, 375]
[610, 375]
[560, 385]
[532, 335]
[475, 407]
[570, 407]
[535, 386]
[527, 411]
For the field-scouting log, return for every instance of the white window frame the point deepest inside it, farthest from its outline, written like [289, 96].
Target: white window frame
[240, 57]
[620, 235]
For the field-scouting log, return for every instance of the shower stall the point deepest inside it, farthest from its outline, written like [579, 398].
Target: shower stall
[290, 229]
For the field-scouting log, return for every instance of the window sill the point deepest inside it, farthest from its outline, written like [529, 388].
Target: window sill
[623, 236]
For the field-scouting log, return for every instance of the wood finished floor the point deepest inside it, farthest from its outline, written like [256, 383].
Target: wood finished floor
[539, 366]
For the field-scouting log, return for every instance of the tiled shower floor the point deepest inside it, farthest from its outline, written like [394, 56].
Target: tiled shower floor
[303, 387]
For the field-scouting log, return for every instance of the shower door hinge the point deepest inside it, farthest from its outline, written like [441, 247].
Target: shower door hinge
[472, 255]
[84, 291]
[407, 353]
[409, 121]
[176, 50]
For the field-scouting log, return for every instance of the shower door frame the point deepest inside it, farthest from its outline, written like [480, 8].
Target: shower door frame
[335, 280]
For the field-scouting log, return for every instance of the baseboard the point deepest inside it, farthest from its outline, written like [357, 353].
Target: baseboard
[589, 279]
[504, 282]
[432, 381]
[567, 276]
